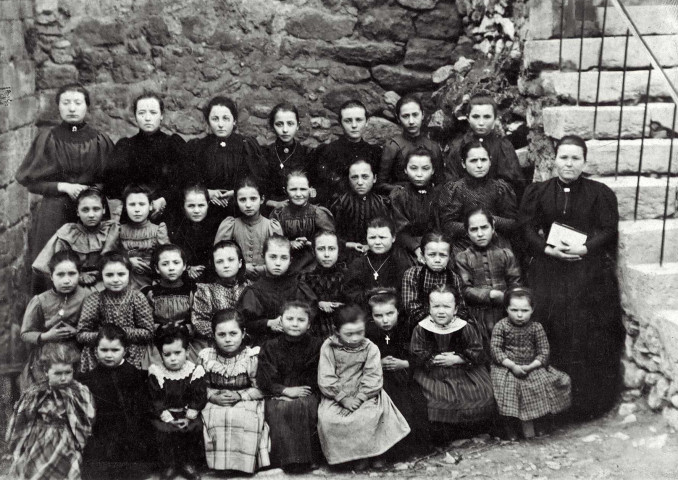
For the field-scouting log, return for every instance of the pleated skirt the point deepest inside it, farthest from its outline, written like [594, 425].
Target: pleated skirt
[294, 430]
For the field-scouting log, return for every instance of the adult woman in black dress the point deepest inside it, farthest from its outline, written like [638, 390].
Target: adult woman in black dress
[62, 162]
[577, 296]
[222, 158]
[150, 157]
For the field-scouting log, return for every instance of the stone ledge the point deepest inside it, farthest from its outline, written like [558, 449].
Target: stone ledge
[640, 241]
[648, 288]
[650, 19]
[602, 156]
[651, 197]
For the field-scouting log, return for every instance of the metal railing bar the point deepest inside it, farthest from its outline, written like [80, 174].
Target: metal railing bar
[642, 144]
[668, 188]
[600, 66]
[630, 24]
[562, 21]
[621, 105]
[581, 50]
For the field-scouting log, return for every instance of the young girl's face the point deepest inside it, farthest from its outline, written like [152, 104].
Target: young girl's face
[249, 201]
[298, 190]
[65, 277]
[110, 352]
[519, 311]
[226, 262]
[228, 336]
[174, 355]
[419, 170]
[277, 259]
[385, 315]
[481, 119]
[480, 230]
[353, 122]
[138, 207]
[59, 374]
[380, 240]
[195, 206]
[477, 162]
[411, 117]
[72, 107]
[148, 115]
[221, 121]
[115, 276]
[295, 322]
[352, 334]
[327, 250]
[437, 255]
[361, 178]
[442, 308]
[90, 211]
[170, 266]
[285, 124]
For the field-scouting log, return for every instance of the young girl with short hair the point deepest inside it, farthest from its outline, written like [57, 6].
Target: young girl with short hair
[52, 420]
[251, 229]
[356, 418]
[300, 220]
[526, 387]
[89, 238]
[284, 155]
[450, 365]
[260, 303]
[326, 281]
[410, 115]
[178, 391]
[138, 236]
[52, 316]
[117, 304]
[235, 433]
[288, 372]
[195, 232]
[486, 269]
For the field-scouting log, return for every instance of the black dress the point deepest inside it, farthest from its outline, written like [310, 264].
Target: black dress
[291, 362]
[578, 302]
[333, 161]
[197, 240]
[328, 286]
[279, 161]
[413, 215]
[371, 271]
[122, 431]
[394, 160]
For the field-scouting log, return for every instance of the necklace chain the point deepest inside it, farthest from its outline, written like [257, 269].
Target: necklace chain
[376, 272]
[282, 162]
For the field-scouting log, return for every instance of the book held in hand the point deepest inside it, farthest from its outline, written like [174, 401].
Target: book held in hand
[562, 234]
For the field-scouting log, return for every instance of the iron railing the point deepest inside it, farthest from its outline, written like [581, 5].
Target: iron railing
[655, 67]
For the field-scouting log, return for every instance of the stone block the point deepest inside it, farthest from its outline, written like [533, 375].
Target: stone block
[671, 416]
[350, 74]
[370, 94]
[156, 30]
[11, 40]
[443, 23]
[387, 23]
[650, 199]
[564, 120]
[649, 286]
[626, 409]
[16, 205]
[379, 130]
[418, 4]
[318, 25]
[602, 156]
[428, 54]
[358, 52]
[633, 376]
[97, 32]
[401, 79]
[545, 54]
[10, 10]
[19, 75]
[659, 19]
[12, 244]
[22, 113]
[52, 75]
[569, 86]
[442, 74]
[640, 242]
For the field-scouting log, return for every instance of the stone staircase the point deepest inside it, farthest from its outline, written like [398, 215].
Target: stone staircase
[649, 292]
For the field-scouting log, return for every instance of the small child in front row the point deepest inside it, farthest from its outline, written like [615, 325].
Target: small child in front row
[89, 238]
[252, 229]
[52, 316]
[357, 420]
[450, 366]
[52, 420]
[526, 388]
[117, 304]
[288, 372]
[120, 391]
[392, 337]
[138, 236]
[178, 393]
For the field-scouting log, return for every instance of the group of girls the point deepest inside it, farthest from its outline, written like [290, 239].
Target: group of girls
[353, 319]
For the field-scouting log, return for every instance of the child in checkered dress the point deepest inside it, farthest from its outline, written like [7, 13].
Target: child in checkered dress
[525, 386]
[52, 420]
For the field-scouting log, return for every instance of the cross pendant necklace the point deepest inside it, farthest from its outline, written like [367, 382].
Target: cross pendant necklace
[375, 273]
[286, 150]
[388, 339]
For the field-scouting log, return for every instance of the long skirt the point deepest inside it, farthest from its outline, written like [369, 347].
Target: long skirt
[294, 430]
[410, 401]
[178, 446]
[544, 391]
[367, 432]
[236, 436]
[457, 394]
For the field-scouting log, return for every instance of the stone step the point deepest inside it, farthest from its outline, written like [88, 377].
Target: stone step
[640, 241]
[650, 199]
[578, 120]
[649, 19]
[544, 54]
[649, 288]
[564, 85]
[602, 156]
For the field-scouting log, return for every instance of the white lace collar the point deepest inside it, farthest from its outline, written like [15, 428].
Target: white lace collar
[454, 326]
[161, 373]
